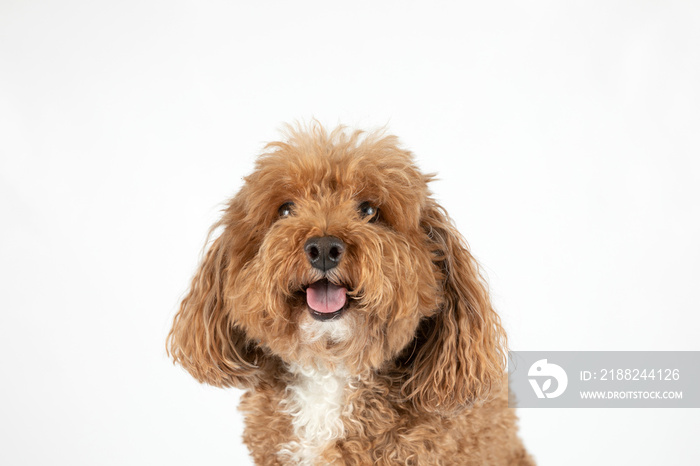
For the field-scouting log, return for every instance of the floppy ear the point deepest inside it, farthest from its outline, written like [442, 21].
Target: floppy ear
[205, 339]
[458, 354]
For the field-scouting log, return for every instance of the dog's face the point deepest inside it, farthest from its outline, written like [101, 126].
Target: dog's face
[333, 254]
[340, 269]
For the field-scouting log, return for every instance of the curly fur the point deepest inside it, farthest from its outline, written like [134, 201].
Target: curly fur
[411, 373]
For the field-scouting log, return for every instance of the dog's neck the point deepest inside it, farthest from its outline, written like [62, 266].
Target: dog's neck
[315, 400]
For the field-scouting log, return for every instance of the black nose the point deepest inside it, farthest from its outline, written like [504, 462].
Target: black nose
[324, 253]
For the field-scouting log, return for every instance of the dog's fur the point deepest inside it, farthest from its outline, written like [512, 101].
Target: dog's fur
[411, 373]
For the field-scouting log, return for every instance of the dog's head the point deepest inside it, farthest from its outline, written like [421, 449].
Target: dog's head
[333, 253]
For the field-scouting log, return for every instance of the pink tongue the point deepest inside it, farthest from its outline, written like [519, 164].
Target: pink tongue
[325, 297]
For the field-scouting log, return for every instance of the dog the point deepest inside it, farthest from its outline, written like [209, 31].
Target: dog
[339, 294]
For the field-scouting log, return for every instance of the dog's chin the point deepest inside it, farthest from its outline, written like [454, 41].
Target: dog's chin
[327, 328]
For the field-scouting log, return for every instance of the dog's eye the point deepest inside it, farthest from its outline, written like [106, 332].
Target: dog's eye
[369, 211]
[286, 209]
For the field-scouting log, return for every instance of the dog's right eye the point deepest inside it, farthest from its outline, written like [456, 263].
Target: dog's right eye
[286, 209]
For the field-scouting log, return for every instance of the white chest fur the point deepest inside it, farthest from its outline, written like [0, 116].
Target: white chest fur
[315, 402]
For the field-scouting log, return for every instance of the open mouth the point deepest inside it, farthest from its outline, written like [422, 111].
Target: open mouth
[326, 300]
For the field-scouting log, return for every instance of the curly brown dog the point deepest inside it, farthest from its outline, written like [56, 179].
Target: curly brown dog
[340, 295]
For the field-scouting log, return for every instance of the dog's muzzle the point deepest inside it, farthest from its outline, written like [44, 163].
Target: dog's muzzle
[325, 300]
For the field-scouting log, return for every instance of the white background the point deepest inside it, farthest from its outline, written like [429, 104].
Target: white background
[565, 135]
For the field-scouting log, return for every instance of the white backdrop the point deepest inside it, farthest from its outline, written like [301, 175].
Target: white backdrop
[565, 136]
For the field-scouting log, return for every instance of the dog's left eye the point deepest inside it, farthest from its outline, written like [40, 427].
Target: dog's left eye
[286, 209]
[367, 210]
